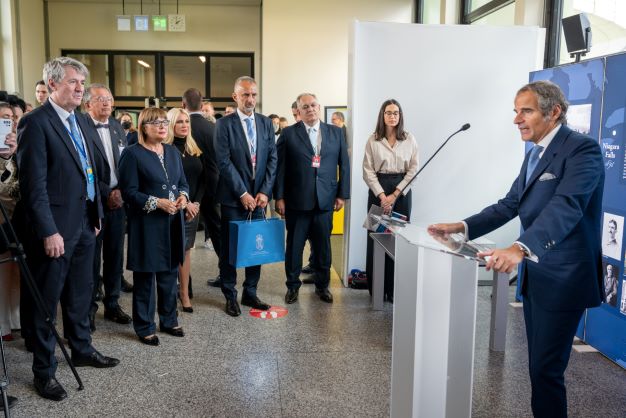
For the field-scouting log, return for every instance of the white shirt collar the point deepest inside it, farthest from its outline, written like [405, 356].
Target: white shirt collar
[197, 112]
[63, 114]
[316, 126]
[548, 139]
[243, 116]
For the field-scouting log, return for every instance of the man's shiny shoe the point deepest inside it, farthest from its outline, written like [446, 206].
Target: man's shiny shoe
[291, 296]
[324, 295]
[12, 401]
[96, 360]
[50, 389]
[217, 282]
[175, 331]
[254, 302]
[232, 307]
[117, 315]
[127, 287]
[151, 340]
[308, 269]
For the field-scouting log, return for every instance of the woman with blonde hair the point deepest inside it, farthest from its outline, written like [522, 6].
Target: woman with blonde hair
[156, 195]
[179, 135]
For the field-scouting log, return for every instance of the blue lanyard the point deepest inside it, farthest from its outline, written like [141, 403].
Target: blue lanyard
[79, 146]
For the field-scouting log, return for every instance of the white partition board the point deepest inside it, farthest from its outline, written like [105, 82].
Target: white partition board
[443, 76]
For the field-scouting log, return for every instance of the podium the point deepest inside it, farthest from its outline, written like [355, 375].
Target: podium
[433, 324]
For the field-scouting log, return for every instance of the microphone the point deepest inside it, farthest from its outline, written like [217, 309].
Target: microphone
[463, 128]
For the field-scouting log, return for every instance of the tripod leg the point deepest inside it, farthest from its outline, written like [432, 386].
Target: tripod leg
[4, 382]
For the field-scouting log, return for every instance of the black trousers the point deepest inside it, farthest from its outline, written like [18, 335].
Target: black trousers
[403, 205]
[316, 225]
[210, 211]
[144, 300]
[110, 249]
[68, 279]
[228, 272]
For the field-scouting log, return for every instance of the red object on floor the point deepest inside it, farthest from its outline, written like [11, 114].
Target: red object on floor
[7, 337]
[272, 313]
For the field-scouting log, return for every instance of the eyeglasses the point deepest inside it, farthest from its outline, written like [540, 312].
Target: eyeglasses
[101, 99]
[160, 123]
[396, 114]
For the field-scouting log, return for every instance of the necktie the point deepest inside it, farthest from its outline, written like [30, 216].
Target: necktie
[313, 139]
[251, 135]
[102, 126]
[82, 153]
[532, 161]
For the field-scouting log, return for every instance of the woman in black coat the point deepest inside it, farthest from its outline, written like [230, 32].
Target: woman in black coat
[156, 194]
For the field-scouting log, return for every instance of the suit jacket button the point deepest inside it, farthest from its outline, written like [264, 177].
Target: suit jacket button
[173, 187]
[164, 187]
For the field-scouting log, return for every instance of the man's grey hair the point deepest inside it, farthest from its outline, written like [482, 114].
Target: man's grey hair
[301, 95]
[55, 69]
[548, 96]
[244, 78]
[87, 95]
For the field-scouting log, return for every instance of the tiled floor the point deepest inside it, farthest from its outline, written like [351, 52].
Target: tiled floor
[318, 361]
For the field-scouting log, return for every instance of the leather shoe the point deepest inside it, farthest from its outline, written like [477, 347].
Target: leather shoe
[254, 302]
[11, 399]
[188, 309]
[217, 282]
[96, 360]
[153, 340]
[324, 295]
[175, 331]
[92, 321]
[127, 287]
[50, 389]
[232, 307]
[291, 296]
[308, 269]
[117, 315]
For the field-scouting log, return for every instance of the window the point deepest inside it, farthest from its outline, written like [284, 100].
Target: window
[474, 10]
[98, 66]
[134, 75]
[501, 17]
[431, 12]
[183, 72]
[225, 70]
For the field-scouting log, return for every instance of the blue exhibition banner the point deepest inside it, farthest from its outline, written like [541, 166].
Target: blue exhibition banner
[606, 325]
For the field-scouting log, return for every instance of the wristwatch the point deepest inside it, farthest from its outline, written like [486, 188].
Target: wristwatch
[524, 250]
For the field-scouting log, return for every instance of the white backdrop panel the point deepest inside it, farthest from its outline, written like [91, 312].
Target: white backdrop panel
[443, 76]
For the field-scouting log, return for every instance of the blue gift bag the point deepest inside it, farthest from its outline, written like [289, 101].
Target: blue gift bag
[256, 242]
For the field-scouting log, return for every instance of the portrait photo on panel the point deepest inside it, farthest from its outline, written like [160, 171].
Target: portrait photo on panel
[622, 305]
[610, 273]
[612, 232]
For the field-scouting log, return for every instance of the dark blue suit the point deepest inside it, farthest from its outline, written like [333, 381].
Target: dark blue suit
[156, 240]
[560, 210]
[110, 241]
[232, 153]
[53, 189]
[309, 195]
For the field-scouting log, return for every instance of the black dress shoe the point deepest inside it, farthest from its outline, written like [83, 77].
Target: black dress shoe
[188, 309]
[92, 321]
[176, 331]
[127, 287]
[12, 401]
[217, 282]
[96, 360]
[50, 389]
[308, 269]
[152, 340]
[254, 302]
[291, 296]
[117, 315]
[324, 295]
[232, 307]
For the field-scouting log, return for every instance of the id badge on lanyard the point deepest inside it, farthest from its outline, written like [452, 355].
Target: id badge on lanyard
[90, 177]
[315, 161]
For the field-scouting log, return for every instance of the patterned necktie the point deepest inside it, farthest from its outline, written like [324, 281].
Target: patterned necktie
[532, 161]
[251, 135]
[82, 153]
[313, 139]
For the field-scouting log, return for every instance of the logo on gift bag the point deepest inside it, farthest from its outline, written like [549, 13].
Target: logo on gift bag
[259, 242]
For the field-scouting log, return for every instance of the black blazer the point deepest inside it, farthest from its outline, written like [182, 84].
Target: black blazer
[301, 185]
[100, 158]
[132, 138]
[155, 241]
[203, 132]
[234, 162]
[53, 185]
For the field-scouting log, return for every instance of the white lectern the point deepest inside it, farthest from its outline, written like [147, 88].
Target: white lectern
[433, 325]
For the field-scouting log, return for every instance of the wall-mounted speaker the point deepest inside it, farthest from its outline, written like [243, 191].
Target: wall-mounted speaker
[577, 31]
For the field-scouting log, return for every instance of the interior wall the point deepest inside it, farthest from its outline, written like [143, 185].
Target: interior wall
[32, 43]
[446, 75]
[305, 47]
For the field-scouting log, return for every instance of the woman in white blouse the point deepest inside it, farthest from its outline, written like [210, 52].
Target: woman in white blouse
[390, 161]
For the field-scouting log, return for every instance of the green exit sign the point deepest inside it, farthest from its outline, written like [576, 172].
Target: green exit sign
[159, 23]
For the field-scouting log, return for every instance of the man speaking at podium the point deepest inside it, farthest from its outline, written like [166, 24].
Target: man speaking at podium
[558, 197]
